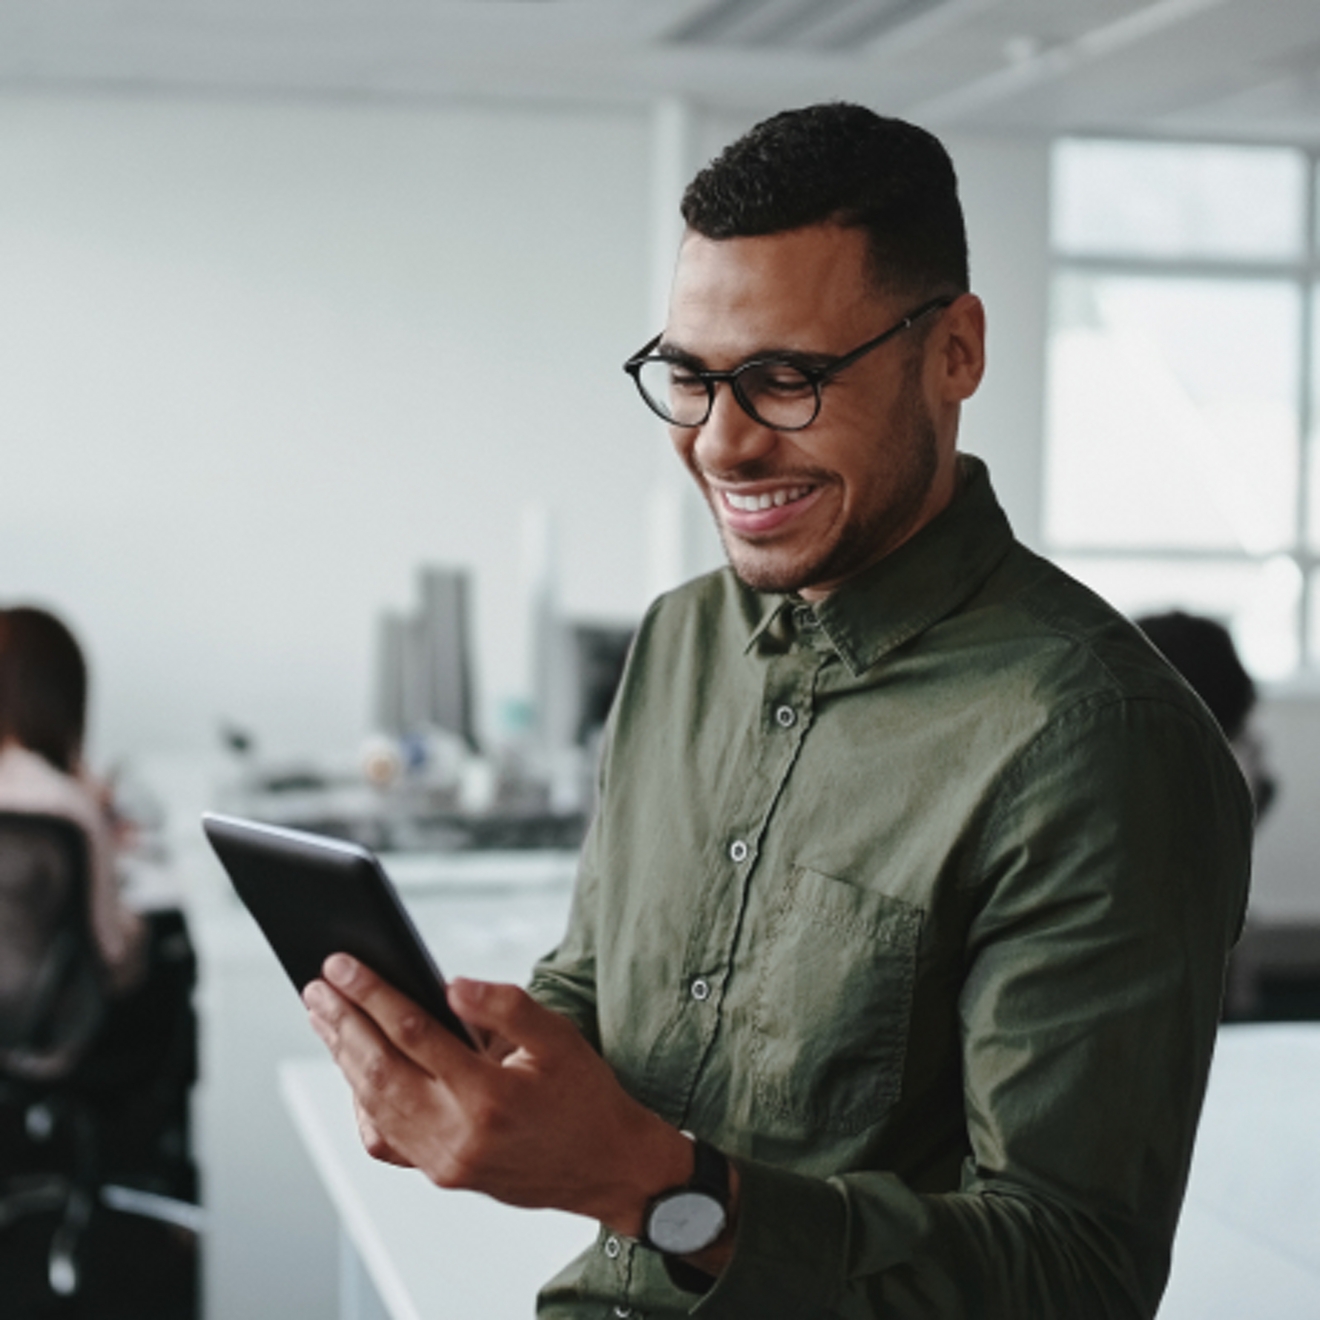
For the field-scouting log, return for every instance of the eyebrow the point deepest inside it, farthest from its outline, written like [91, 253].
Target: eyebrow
[676, 353]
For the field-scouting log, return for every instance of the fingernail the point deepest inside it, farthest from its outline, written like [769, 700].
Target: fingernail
[340, 969]
[316, 996]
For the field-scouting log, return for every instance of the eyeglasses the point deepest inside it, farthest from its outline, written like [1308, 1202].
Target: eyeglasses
[780, 391]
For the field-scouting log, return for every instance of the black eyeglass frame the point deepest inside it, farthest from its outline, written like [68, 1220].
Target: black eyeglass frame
[815, 376]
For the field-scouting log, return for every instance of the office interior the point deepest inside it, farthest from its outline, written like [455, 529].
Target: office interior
[301, 311]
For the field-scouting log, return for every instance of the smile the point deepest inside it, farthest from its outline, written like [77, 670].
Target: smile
[775, 499]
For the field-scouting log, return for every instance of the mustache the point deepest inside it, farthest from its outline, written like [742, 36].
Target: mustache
[759, 470]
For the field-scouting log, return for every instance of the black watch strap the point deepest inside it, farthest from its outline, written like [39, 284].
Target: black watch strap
[710, 1171]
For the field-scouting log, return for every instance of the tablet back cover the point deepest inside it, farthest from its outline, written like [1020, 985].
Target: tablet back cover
[313, 896]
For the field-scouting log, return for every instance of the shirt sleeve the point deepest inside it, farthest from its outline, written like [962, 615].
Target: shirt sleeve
[1108, 883]
[565, 979]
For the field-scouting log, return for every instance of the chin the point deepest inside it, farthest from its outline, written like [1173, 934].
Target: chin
[763, 573]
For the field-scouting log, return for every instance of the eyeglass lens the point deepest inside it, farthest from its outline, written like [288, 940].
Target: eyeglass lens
[776, 394]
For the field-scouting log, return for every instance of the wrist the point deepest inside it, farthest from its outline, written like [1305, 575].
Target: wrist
[661, 1159]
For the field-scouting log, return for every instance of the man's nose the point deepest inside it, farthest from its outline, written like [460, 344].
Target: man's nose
[731, 437]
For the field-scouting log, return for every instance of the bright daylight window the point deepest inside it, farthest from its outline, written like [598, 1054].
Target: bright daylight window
[1182, 385]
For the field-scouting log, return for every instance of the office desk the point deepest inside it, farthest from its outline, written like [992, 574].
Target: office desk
[1248, 1244]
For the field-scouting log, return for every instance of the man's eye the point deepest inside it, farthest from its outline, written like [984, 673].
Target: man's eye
[685, 382]
[779, 379]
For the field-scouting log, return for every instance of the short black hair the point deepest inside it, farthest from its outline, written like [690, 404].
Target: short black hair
[43, 686]
[1202, 651]
[842, 164]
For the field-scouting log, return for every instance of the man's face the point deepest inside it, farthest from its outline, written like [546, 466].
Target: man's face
[802, 511]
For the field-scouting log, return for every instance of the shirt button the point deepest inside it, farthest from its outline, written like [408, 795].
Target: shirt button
[700, 989]
[738, 850]
[612, 1248]
[786, 717]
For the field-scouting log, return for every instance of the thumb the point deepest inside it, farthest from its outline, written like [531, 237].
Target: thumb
[507, 1011]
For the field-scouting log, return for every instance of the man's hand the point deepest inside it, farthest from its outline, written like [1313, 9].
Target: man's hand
[535, 1119]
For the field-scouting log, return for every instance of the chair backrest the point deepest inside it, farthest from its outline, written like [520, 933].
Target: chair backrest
[52, 992]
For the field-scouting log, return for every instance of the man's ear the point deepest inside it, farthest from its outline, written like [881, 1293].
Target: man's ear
[961, 346]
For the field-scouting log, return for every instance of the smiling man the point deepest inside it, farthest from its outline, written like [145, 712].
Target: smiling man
[896, 954]
[800, 503]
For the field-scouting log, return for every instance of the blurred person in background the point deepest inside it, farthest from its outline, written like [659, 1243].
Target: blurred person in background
[1202, 651]
[43, 715]
[143, 1059]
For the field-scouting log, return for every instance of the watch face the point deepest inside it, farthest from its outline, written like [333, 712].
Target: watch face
[685, 1222]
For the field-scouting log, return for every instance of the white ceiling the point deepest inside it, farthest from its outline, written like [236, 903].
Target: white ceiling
[1240, 68]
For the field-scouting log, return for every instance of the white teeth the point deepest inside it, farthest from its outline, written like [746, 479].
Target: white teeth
[770, 500]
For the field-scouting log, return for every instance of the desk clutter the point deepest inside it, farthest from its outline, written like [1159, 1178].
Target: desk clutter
[424, 780]
[410, 812]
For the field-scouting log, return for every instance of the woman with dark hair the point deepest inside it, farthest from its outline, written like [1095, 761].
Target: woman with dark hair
[43, 711]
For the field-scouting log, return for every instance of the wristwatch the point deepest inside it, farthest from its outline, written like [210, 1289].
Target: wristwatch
[683, 1220]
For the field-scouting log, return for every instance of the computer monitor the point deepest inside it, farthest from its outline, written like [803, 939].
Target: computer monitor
[423, 661]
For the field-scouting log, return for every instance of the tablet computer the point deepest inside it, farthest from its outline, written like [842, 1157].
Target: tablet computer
[313, 895]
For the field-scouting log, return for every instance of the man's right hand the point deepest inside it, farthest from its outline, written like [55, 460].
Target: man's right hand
[536, 1118]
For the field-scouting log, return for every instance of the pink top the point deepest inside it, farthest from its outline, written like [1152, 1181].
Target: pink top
[28, 782]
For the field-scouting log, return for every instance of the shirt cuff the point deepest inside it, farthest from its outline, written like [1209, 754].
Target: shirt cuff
[789, 1248]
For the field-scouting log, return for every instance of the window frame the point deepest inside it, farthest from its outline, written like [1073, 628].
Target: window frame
[1303, 273]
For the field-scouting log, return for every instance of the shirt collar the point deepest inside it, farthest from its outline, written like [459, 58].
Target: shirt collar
[926, 578]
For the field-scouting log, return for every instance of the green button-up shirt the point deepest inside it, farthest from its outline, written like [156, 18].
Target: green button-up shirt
[916, 902]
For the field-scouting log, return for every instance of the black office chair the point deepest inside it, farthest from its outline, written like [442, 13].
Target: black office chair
[52, 1000]
[55, 1091]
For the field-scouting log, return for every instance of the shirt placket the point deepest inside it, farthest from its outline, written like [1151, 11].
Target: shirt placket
[783, 719]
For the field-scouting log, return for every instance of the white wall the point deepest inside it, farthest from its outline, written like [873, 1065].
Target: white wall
[1004, 184]
[261, 360]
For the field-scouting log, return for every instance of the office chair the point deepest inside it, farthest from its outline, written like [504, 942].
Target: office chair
[53, 1005]
[52, 999]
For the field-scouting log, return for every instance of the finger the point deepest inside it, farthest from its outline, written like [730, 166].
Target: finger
[509, 1012]
[389, 1089]
[412, 1032]
[365, 1055]
[375, 1145]
[326, 1011]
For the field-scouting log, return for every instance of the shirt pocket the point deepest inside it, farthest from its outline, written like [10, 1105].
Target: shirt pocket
[832, 1006]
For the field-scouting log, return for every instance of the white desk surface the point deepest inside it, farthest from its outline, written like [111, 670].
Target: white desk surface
[1249, 1240]
[431, 1254]
[1248, 1243]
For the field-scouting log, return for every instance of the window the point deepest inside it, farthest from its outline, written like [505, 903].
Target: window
[1182, 386]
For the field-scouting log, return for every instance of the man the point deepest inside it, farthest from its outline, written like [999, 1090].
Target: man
[915, 868]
